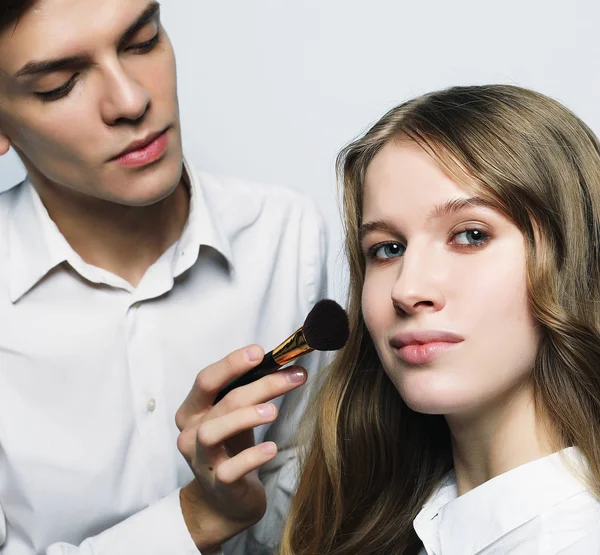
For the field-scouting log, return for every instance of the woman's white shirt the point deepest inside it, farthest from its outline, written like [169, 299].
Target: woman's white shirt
[540, 508]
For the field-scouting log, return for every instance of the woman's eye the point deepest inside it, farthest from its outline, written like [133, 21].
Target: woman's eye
[61, 91]
[471, 237]
[388, 250]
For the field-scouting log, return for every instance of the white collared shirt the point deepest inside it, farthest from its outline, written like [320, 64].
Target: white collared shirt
[539, 508]
[92, 370]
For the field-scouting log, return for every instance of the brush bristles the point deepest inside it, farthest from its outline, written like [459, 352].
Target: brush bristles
[326, 326]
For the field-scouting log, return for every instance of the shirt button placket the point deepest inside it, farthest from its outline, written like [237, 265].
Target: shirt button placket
[143, 386]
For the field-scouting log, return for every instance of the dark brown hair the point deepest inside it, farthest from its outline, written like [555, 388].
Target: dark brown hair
[12, 10]
[371, 462]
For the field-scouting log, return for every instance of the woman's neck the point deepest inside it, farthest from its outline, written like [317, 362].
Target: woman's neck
[497, 438]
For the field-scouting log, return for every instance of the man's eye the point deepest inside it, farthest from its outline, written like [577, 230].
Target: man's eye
[144, 47]
[60, 92]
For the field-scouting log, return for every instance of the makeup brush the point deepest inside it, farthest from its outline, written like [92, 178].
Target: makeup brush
[324, 329]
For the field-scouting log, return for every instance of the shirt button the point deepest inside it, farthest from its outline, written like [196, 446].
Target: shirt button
[137, 305]
[151, 405]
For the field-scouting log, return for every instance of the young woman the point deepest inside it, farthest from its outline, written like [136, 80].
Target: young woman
[463, 417]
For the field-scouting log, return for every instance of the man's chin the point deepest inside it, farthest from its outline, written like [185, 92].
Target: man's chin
[145, 198]
[147, 190]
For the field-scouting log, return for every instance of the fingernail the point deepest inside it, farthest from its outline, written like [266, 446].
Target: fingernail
[253, 354]
[295, 376]
[269, 447]
[266, 410]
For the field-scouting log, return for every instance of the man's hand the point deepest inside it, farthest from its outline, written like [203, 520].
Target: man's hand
[218, 443]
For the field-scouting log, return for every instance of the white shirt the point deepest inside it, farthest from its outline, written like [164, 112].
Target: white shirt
[539, 508]
[92, 370]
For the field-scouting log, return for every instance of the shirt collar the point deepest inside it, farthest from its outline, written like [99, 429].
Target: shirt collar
[36, 246]
[201, 228]
[33, 246]
[455, 525]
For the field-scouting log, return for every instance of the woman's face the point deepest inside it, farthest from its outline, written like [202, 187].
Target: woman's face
[445, 292]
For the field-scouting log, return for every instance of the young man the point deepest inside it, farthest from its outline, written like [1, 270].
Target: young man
[122, 274]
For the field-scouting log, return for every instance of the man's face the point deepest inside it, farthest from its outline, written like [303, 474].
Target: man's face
[88, 98]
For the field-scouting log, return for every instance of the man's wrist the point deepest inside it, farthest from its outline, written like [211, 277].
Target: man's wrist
[208, 529]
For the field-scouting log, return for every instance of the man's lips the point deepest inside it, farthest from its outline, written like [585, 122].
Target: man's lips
[139, 144]
[422, 346]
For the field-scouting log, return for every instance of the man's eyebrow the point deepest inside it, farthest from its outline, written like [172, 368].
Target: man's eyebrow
[48, 66]
[152, 10]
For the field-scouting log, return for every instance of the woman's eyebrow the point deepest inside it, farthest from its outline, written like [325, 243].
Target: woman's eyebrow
[376, 225]
[449, 207]
[453, 206]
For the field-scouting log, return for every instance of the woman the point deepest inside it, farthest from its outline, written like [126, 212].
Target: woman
[463, 416]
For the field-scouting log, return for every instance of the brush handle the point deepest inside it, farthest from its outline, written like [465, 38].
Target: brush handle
[266, 367]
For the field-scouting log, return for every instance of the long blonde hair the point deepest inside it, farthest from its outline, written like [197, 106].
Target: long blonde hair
[371, 462]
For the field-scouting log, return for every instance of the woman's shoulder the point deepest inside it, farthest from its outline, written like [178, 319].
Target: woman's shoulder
[573, 521]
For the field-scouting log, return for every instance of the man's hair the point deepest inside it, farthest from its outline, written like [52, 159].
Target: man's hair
[12, 10]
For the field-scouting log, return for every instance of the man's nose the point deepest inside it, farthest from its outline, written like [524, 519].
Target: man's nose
[125, 99]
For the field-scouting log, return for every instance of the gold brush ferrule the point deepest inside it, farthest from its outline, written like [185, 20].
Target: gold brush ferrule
[293, 347]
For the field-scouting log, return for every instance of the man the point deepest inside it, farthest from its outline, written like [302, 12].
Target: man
[123, 273]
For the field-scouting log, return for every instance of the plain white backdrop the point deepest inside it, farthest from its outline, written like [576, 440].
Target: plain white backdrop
[271, 90]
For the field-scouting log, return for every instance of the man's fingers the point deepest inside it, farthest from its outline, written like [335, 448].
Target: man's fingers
[212, 378]
[261, 391]
[212, 460]
[196, 455]
[237, 443]
[217, 430]
[234, 469]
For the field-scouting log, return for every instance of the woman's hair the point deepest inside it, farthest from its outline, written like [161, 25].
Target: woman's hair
[12, 10]
[371, 462]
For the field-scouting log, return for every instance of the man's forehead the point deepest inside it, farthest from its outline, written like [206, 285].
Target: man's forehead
[61, 28]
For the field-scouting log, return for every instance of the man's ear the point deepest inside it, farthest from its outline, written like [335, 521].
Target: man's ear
[4, 143]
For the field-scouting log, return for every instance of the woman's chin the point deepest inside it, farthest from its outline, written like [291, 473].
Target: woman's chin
[434, 398]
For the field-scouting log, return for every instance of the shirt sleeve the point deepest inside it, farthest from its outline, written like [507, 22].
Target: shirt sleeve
[156, 530]
[280, 476]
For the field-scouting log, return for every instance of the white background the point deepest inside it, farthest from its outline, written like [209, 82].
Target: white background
[272, 89]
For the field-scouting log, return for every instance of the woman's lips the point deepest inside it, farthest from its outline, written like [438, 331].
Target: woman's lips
[422, 346]
[422, 353]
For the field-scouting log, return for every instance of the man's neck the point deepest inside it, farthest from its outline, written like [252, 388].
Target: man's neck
[124, 240]
[498, 439]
